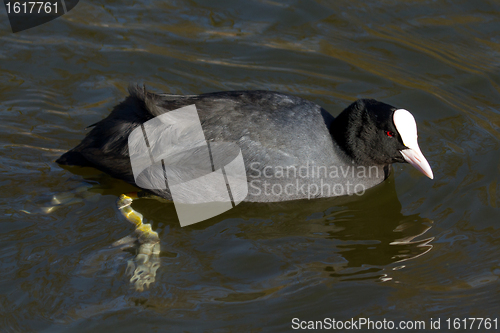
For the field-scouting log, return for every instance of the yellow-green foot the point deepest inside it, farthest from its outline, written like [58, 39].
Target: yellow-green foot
[144, 266]
[147, 261]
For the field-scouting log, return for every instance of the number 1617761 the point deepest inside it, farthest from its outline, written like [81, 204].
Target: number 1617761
[472, 323]
[32, 7]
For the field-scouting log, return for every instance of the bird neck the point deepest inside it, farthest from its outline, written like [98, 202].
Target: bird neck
[347, 131]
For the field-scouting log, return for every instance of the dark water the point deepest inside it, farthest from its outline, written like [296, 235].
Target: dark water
[410, 249]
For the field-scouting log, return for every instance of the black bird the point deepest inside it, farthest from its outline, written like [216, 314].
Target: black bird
[274, 131]
[290, 148]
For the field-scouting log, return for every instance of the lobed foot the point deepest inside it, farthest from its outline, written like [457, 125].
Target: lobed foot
[147, 261]
[144, 266]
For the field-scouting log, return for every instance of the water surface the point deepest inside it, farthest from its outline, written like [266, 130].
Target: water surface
[410, 249]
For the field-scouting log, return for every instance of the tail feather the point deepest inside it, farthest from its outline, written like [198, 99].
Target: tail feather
[109, 136]
[73, 158]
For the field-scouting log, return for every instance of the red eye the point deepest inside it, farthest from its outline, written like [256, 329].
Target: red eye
[389, 134]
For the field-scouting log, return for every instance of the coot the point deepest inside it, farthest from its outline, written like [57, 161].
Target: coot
[291, 148]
